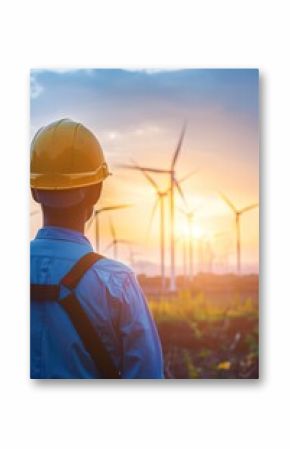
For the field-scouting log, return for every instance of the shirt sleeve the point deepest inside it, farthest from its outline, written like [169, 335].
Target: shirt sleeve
[141, 348]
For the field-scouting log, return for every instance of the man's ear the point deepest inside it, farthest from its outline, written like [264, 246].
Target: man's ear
[95, 193]
[34, 195]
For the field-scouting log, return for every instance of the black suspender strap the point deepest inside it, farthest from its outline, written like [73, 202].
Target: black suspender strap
[77, 315]
[80, 320]
[89, 337]
[44, 292]
[73, 277]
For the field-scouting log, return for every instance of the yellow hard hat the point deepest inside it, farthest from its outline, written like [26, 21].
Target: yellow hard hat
[66, 155]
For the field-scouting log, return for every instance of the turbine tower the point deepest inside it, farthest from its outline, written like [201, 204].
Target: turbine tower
[238, 213]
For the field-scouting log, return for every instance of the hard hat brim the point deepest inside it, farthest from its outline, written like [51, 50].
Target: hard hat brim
[61, 181]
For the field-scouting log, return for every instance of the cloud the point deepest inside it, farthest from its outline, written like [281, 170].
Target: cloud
[35, 87]
[151, 71]
[60, 71]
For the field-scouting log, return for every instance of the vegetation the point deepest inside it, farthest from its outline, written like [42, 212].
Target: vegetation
[208, 336]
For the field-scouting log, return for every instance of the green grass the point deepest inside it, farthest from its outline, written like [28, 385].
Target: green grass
[207, 336]
[188, 307]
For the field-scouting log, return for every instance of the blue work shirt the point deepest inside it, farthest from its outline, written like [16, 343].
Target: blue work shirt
[113, 300]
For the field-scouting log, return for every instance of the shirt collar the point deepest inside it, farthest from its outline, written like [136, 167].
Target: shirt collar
[58, 233]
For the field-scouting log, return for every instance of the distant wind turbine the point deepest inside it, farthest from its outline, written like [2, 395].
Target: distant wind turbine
[190, 218]
[95, 217]
[238, 213]
[189, 214]
[115, 240]
[159, 201]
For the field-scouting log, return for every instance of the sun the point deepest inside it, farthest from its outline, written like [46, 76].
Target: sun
[197, 232]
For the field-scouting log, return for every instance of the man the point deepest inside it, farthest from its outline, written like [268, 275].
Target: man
[89, 317]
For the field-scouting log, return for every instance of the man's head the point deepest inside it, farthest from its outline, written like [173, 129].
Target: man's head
[67, 171]
[59, 210]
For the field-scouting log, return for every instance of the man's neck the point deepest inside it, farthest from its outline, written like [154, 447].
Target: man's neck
[65, 222]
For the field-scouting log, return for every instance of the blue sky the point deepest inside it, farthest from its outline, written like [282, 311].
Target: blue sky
[122, 98]
[121, 101]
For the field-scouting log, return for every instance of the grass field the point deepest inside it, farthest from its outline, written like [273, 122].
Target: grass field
[208, 335]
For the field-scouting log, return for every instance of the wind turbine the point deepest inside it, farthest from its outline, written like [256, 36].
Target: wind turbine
[189, 214]
[238, 213]
[161, 194]
[115, 241]
[190, 218]
[95, 217]
[159, 200]
[171, 172]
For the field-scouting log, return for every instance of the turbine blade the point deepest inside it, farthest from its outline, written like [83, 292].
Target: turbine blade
[152, 216]
[156, 170]
[178, 148]
[246, 209]
[150, 180]
[184, 178]
[105, 209]
[180, 191]
[147, 176]
[148, 169]
[228, 202]
[118, 206]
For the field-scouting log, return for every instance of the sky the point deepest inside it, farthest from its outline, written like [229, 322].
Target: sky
[138, 114]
